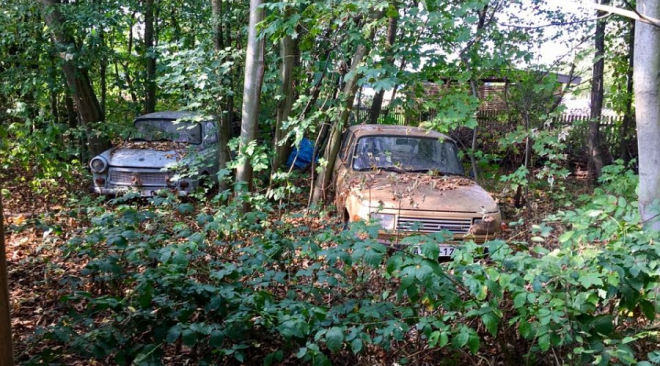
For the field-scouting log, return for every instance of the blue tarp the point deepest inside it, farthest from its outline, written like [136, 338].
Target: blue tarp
[304, 154]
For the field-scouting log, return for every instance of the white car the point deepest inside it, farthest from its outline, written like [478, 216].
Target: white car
[168, 150]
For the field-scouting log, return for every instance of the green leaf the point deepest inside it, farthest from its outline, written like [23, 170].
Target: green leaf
[356, 345]
[491, 321]
[189, 337]
[173, 334]
[648, 309]
[274, 357]
[524, 328]
[320, 360]
[431, 250]
[444, 339]
[334, 338]
[473, 342]
[520, 300]
[590, 280]
[544, 342]
[566, 236]
[463, 337]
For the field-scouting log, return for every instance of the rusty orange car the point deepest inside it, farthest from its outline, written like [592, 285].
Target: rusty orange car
[411, 181]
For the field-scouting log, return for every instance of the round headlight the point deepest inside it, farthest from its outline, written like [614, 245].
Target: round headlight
[98, 165]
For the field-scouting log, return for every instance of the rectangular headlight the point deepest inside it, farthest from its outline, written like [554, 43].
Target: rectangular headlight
[386, 221]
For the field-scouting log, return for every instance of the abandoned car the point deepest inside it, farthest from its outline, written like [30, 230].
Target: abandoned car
[166, 150]
[411, 180]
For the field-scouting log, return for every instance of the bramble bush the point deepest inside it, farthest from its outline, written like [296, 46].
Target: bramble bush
[165, 280]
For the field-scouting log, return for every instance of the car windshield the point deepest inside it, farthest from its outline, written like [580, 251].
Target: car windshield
[405, 153]
[167, 130]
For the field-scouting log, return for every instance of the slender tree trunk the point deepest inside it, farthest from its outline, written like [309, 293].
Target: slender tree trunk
[150, 56]
[596, 155]
[287, 91]
[350, 89]
[77, 79]
[225, 116]
[104, 74]
[627, 122]
[377, 102]
[254, 67]
[647, 106]
[218, 36]
[6, 347]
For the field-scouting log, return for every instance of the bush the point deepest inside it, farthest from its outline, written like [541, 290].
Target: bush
[224, 288]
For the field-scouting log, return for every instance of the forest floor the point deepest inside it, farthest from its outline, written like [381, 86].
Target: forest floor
[37, 225]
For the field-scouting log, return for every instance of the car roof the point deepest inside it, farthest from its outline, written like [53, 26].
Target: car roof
[396, 130]
[169, 115]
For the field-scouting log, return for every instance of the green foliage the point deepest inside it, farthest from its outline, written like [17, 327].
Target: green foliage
[224, 285]
[531, 102]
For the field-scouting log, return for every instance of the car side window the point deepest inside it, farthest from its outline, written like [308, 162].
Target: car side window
[210, 132]
[345, 145]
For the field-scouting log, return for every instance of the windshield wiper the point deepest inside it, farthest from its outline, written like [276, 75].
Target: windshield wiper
[450, 173]
[392, 169]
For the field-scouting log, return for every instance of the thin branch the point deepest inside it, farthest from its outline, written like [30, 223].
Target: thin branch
[555, 24]
[626, 13]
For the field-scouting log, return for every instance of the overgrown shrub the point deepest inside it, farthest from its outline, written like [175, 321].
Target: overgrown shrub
[223, 288]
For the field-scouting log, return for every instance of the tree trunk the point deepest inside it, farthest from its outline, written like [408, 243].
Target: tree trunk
[287, 91]
[624, 132]
[77, 79]
[596, 155]
[6, 348]
[254, 67]
[150, 56]
[218, 37]
[377, 103]
[350, 88]
[647, 105]
[225, 115]
[104, 74]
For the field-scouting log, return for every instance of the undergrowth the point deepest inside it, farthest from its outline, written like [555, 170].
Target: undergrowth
[167, 281]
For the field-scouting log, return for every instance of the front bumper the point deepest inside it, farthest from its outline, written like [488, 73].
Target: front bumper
[143, 191]
[395, 239]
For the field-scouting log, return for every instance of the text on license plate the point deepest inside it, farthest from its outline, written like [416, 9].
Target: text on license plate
[446, 250]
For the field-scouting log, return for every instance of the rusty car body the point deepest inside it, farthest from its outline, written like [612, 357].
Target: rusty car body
[411, 181]
[166, 150]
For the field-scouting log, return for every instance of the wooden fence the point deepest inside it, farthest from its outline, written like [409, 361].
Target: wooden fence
[494, 124]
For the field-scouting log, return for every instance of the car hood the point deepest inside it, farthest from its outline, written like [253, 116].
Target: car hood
[414, 191]
[141, 158]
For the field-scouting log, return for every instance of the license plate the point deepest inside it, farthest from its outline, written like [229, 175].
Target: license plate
[146, 193]
[446, 250]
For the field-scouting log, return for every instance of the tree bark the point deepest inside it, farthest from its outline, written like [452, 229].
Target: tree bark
[647, 105]
[627, 122]
[254, 67]
[150, 56]
[287, 91]
[218, 36]
[377, 103]
[6, 347]
[594, 147]
[87, 105]
[224, 134]
[350, 88]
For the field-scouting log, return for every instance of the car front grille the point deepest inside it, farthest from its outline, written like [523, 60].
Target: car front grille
[138, 178]
[456, 226]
